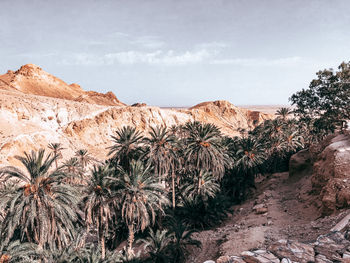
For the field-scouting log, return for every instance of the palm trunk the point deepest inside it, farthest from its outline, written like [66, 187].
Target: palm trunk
[103, 248]
[41, 227]
[131, 240]
[102, 238]
[199, 176]
[199, 181]
[173, 187]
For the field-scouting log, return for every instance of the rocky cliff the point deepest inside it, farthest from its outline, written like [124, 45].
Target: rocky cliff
[329, 164]
[37, 108]
[31, 79]
[331, 173]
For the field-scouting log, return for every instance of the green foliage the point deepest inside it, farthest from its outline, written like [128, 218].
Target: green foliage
[17, 252]
[56, 149]
[182, 241]
[209, 188]
[84, 157]
[204, 149]
[126, 146]
[201, 214]
[141, 198]
[157, 244]
[40, 206]
[325, 105]
[72, 167]
[99, 203]
[160, 151]
[283, 113]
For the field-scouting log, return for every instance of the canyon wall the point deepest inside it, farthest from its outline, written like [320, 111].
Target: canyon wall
[37, 108]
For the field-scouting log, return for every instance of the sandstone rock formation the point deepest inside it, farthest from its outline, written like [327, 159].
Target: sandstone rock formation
[329, 164]
[31, 79]
[331, 174]
[37, 108]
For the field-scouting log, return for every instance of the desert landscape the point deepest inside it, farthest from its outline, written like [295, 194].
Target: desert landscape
[290, 216]
[168, 131]
[38, 108]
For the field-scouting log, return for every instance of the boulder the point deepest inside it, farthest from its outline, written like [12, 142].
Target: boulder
[259, 256]
[287, 260]
[260, 209]
[322, 259]
[293, 250]
[230, 259]
[332, 246]
[235, 259]
[331, 175]
[223, 259]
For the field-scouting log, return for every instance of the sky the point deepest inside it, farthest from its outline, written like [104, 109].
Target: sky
[178, 52]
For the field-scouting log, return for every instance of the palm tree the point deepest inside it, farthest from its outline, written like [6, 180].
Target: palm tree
[292, 141]
[174, 129]
[39, 206]
[99, 202]
[56, 148]
[17, 252]
[89, 254]
[283, 113]
[273, 128]
[182, 241]
[160, 151]
[84, 157]
[73, 166]
[250, 155]
[209, 188]
[141, 198]
[126, 146]
[157, 245]
[205, 151]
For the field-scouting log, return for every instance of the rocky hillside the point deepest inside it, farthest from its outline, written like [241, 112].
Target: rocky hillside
[31, 79]
[37, 108]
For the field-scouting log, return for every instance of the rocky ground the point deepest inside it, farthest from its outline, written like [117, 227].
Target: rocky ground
[281, 208]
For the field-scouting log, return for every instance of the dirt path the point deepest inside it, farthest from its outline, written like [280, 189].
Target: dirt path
[292, 214]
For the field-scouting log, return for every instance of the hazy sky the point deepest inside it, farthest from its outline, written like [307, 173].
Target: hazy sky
[178, 52]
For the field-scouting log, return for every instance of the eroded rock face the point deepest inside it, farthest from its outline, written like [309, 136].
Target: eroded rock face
[37, 108]
[331, 175]
[31, 79]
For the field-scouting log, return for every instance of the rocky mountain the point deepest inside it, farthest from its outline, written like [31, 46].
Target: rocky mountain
[31, 79]
[37, 108]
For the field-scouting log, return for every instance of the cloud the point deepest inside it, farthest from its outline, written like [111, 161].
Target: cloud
[252, 62]
[213, 45]
[158, 57]
[149, 42]
[207, 53]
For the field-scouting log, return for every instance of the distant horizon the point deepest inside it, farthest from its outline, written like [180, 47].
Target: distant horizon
[165, 52]
[237, 105]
